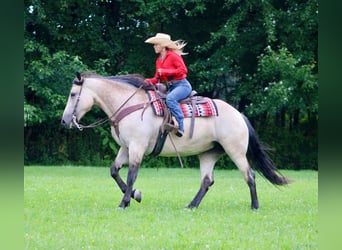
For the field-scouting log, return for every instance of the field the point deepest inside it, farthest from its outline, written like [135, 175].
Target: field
[76, 208]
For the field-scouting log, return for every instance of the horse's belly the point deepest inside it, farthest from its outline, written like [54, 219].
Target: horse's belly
[185, 147]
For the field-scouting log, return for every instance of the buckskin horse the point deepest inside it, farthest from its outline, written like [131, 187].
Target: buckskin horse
[135, 128]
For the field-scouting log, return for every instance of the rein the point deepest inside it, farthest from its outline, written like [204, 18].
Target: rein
[103, 120]
[177, 153]
[122, 114]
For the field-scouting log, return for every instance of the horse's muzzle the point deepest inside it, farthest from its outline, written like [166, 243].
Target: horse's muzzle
[66, 124]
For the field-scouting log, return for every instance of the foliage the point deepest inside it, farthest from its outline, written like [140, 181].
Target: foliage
[292, 149]
[285, 83]
[85, 148]
[47, 81]
[260, 56]
[75, 208]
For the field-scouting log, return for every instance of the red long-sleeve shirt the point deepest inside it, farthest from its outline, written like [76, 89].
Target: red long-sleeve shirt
[172, 68]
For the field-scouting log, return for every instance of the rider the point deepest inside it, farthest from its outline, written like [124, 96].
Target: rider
[170, 68]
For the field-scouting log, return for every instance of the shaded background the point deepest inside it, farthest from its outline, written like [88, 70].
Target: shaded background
[12, 132]
[259, 56]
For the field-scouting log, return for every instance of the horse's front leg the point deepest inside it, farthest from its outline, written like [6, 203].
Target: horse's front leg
[129, 192]
[136, 154]
[121, 159]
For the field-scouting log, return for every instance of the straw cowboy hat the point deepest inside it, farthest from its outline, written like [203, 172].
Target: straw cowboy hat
[163, 40]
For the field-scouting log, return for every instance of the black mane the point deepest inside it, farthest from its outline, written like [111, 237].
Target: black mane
[132, 79]
[135, 80]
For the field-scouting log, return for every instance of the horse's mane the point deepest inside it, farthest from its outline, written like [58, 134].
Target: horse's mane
[135, 80]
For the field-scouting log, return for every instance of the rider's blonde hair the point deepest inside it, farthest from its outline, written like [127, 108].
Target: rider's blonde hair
[180, 44]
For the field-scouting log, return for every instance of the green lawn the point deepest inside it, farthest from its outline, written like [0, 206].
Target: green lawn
[76, 208]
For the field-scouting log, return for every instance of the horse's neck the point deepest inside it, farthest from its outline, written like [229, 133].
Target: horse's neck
[110, 97]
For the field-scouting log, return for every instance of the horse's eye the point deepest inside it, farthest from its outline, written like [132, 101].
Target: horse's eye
[72, 94]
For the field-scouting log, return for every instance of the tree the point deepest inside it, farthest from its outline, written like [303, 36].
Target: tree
[260, 56]
[287, 85]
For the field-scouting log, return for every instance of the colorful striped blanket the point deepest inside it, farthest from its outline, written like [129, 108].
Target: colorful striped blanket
[201, 110]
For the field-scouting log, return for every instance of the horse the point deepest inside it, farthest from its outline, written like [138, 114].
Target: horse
[136, 132]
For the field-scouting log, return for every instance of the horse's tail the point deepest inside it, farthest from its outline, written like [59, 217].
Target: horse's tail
[260, 160]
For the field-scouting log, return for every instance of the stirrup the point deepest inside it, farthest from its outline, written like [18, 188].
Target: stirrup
[170, 127]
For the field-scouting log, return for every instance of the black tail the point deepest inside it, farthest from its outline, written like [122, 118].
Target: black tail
[259, 159]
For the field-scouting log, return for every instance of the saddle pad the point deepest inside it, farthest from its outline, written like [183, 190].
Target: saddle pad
[201, 110]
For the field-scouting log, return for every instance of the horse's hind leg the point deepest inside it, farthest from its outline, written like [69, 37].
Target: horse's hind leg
[249, 176]
[207, 163]
[121, 159]
[252, 189]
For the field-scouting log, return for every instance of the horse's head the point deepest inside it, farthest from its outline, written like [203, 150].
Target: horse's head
[79, 103]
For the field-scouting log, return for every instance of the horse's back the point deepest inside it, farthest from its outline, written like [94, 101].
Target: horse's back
[226, 128]
[229, 117]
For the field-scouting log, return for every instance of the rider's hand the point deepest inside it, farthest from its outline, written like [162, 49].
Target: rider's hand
[147, 83]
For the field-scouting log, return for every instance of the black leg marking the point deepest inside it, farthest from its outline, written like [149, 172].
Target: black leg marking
[252, 189]
[206, 183]
[131, 177]
[114, 172]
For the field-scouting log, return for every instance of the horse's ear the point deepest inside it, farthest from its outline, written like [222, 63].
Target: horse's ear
[79, 80]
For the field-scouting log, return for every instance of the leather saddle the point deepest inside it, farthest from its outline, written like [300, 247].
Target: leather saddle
[193, 99]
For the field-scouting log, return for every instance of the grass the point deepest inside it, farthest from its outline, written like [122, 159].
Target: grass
[76, 208]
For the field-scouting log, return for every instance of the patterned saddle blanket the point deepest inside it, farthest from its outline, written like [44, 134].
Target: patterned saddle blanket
[207, 107]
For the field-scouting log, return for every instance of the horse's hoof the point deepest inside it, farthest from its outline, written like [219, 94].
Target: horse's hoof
[190, 208]
[255, 206]
[137, 195]
[120, 209]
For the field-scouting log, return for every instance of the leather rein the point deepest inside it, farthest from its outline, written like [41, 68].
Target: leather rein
[119, 113]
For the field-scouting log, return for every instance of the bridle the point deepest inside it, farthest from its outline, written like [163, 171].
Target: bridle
[120, 113]
[74, 118]
[79, 81]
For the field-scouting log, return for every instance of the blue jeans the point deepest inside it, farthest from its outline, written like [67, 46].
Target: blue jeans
[178, 91]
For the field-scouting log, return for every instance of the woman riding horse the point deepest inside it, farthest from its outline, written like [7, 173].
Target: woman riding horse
[135, 128]
[170, 68]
